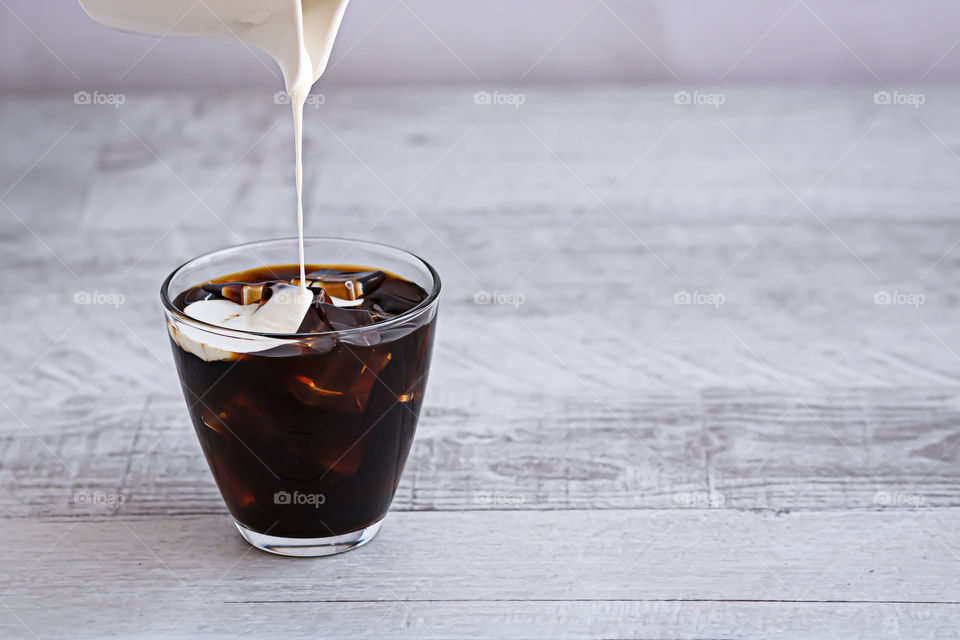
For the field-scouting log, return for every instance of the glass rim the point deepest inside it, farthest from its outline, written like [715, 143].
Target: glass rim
[410, 314]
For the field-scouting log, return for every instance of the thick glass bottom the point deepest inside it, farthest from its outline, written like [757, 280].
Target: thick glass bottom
[310, 547]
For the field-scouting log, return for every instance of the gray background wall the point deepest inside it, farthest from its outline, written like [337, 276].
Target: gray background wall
[51, 45]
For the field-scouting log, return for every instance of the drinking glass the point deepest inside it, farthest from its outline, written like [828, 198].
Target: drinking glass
[306, 439]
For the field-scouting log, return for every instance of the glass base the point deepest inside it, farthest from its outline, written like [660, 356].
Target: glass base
[310, 547]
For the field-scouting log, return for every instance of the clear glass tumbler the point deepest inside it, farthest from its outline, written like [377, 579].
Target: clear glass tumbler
[307, 439]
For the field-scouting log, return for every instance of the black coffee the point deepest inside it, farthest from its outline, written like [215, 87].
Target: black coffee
[308, 439]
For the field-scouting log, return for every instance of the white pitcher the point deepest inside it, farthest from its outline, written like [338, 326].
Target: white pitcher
[298, 34]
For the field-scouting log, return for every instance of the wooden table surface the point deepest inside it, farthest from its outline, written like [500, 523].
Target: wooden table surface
[777, 458]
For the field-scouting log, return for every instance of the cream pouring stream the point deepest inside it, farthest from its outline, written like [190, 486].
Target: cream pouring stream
[298, 34]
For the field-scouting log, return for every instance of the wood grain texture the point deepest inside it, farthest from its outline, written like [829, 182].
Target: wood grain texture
[629, 573]
[784, 463]
[428, 556]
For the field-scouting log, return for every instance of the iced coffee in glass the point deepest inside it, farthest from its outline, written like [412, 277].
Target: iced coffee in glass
[304, 385]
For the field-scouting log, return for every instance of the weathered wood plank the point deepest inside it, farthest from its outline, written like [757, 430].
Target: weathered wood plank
[185, 616]
[519, 408]
[847, 449]
[704, 167]
[863, 450]
[615, 572]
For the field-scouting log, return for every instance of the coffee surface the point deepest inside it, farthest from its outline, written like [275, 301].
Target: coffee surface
[344, 296]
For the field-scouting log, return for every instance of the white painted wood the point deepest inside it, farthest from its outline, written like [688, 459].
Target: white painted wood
[784, 464]
[629, 573]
